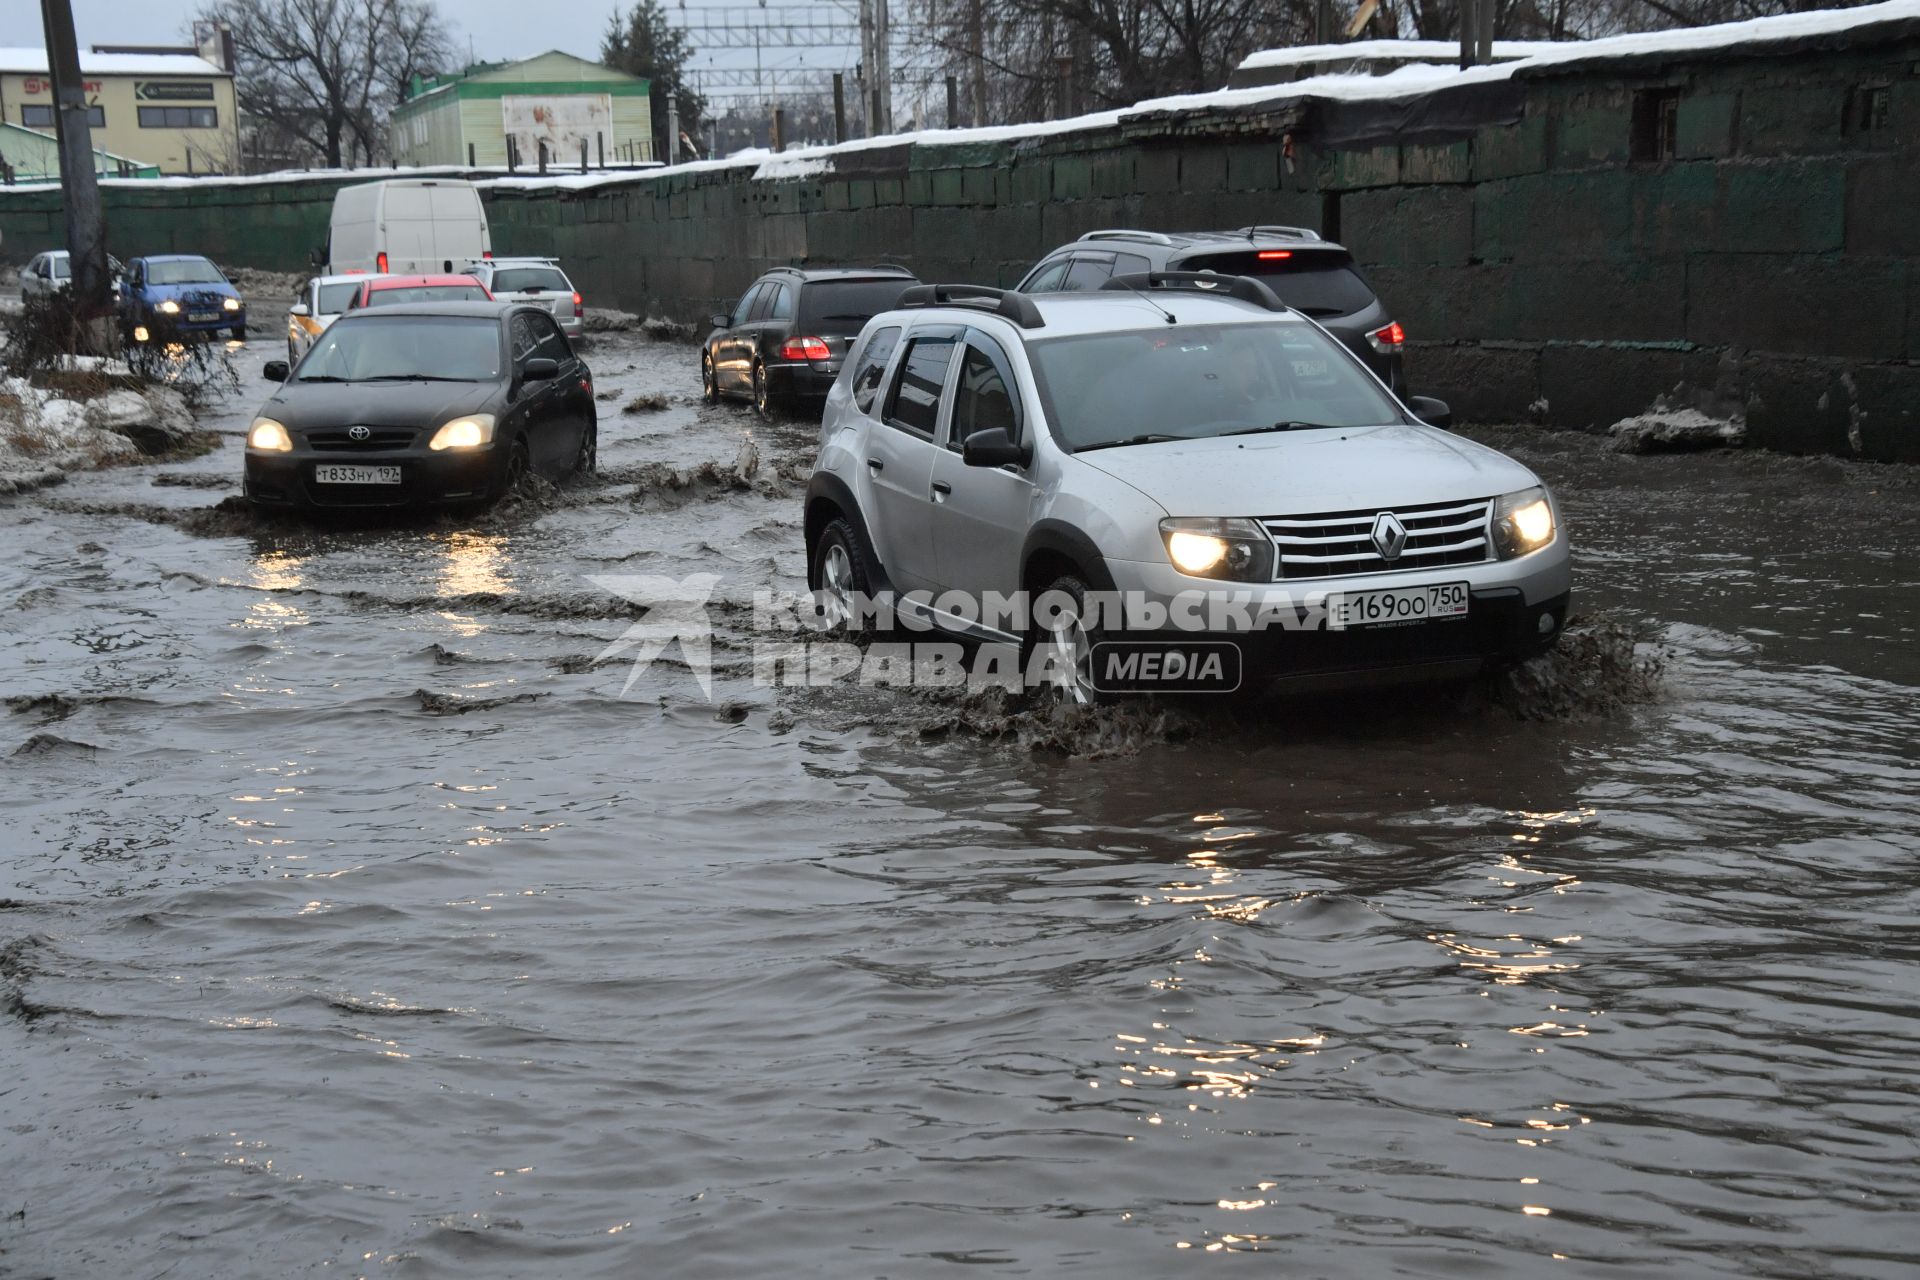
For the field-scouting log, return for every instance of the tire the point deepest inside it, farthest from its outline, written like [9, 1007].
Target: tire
[589, 460]
[519, 463]
[1071, 645]
[709, 383]
[239, 333]
[765, 402]
[838, 569]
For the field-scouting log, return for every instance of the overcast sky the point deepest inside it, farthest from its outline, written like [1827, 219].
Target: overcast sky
[497, 28]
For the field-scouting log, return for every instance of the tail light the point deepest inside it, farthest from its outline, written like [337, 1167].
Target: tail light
[805, 349]
[381, 261]
[1388, 340]
[487, 254]
[579, 305]
[1275, 255]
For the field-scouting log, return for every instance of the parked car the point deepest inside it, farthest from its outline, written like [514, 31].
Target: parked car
[1164, 434]
[785, 340]
[423, 404]
[185, 292]
[406, 226]
[1315, 276]
[393, 291]
[320, 302]
[50, 272]
[538, 282]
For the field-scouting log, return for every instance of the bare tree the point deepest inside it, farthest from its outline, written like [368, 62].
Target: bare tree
[326, 73]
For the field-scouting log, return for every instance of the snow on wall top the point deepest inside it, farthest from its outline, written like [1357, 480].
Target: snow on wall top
[1384, 50]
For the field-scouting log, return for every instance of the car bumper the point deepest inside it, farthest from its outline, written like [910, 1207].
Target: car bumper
[180, 324]
[426, 479]
[803, 379]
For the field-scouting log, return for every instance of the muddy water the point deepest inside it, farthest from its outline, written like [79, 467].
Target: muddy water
[354, 924]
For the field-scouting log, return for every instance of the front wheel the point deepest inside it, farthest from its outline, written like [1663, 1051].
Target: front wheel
[589, 460]
[709, 384]
[1064, 645]
[838, 573]
[518, 464]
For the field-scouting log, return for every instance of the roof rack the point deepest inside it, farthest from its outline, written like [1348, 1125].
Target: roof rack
[1017, 307]
[877, 268]
[1122, 233]
[1298, 233]
[1244, 288]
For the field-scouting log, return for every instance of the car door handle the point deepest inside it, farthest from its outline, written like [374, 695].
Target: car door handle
[876, 466]
[942, 491]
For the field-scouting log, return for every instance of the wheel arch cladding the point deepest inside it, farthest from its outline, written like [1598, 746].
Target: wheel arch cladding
[1054, 548]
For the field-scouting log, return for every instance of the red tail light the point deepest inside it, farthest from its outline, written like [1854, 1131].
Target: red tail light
[1388, 339]
[487, 255]
[1274, 255]
[579, 304]
[805, 349]
[381, 262]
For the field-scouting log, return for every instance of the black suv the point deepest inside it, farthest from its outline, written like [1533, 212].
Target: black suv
[785, 340]
[1313, 276]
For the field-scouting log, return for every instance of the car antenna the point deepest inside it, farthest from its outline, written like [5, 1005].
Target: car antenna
[1171, 318]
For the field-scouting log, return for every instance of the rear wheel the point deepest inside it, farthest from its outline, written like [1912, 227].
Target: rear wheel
[763, 398]
[709, 385]
[838, 572]
[1064, 644]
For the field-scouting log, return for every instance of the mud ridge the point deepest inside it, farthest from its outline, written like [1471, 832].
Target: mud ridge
[447, 704]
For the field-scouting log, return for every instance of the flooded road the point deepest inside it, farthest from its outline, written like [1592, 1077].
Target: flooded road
[351, 923]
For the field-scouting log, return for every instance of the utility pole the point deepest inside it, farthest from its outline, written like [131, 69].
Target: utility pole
[1469, 32]
[976, 49]
[86, 223]
[866, 76]
[882, 67]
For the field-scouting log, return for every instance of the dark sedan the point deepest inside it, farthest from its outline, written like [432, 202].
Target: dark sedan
[423, 404]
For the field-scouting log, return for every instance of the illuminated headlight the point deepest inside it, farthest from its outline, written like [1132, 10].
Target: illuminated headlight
[1522, 522]
[169, 307]
[1238, 550]
[469, 432]
[269, 436]
[231, 304]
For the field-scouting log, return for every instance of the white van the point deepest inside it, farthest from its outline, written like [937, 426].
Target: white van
[407, 226]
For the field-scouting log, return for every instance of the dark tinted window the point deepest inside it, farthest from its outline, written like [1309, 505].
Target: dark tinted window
[1087, 273]
[1047, 279]
[845, 306]
[549, 341]
[984, 398]
[873, 366]
[522, 336]
[1130, 264]
[914, 404]
[747, 302]
[1318, 283]
[762, 302]
[525, 279]
[781, 308]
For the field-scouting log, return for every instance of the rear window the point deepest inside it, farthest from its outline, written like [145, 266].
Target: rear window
[527, 279]
[844, 306]
[427, 293]
[1319, 283]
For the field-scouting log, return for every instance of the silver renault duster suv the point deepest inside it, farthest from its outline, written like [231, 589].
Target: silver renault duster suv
[1193, 457]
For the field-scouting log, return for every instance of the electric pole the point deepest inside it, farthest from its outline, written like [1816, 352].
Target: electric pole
[976, 50]
[883, 68]
[86, 226]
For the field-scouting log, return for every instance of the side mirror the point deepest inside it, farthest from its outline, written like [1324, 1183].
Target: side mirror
[1430, 411]
[276, 371]
[298, 309]
[722, 322]
[540, 369]
[991, 448]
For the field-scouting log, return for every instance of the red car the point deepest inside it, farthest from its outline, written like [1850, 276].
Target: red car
[387, 291]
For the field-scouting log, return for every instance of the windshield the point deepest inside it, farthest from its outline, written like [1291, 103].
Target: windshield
[1203, 380]
[1319, 282]
[459, 348]
[427, 293]
[189, 271]
[526, 279]
[336, 298]
[62, 269]
[845, 306]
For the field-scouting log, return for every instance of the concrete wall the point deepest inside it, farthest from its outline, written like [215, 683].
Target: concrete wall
[1542, 270]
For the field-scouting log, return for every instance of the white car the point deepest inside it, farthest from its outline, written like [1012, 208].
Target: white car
[321, 301]
[536, 282]
[52, 271]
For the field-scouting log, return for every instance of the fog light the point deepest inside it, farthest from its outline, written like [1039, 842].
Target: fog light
[1547, 624]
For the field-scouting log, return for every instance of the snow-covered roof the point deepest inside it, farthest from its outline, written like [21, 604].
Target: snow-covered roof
[29, 61]
[1383, 51]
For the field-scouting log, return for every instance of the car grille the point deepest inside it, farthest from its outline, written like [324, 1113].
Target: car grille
[338, 441]
[1340, 543]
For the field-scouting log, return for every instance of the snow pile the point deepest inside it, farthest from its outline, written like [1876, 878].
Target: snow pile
[43, 435]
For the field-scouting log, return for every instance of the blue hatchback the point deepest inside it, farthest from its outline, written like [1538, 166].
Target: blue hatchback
[180, 291]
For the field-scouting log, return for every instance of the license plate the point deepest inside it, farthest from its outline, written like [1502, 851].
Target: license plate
[1397, 604]
[202, 317]
[335, 474]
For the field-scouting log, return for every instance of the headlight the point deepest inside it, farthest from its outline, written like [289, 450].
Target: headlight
[169, 307]
[269, 436]
[1522, 522]
[231, 304]
[469, 432]
[1237, 550]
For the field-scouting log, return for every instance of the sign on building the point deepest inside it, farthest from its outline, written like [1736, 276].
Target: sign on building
[563, 122]
[173, 90]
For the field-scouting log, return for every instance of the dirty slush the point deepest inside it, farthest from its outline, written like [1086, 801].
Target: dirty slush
[351, 922]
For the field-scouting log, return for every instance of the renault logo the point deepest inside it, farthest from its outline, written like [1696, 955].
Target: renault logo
[361, 433]
[1389, 536]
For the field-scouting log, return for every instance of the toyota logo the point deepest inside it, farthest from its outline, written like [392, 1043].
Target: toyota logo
[361, 433]
[1389, 536]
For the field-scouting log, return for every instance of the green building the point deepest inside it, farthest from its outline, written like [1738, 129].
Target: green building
[556, 98]
[28, 155]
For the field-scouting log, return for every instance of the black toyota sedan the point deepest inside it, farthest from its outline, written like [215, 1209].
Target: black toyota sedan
[423, 404]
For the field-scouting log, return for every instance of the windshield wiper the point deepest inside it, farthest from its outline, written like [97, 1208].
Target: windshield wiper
[1154, 437]
[413, 377]
[1283, 426]
[318, 377]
